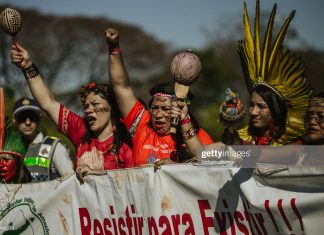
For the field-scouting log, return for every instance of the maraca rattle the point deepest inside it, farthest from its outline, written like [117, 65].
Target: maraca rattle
[10, 21]
[185, 70]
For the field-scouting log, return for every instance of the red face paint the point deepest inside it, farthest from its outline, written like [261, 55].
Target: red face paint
[7, 167]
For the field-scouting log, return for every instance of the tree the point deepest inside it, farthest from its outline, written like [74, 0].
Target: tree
[72, 50]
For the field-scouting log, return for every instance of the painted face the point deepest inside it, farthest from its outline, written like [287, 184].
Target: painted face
[7, 167]
[314, 124]
[97, 111]
[160, 114]
[27, 123]
[260, 115]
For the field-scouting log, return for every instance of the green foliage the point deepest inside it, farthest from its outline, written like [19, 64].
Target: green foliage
[208, 119]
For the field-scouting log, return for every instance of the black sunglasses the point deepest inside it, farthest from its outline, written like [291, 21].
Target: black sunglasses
[32, 116]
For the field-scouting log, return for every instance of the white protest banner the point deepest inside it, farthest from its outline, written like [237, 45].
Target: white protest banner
[178, 199]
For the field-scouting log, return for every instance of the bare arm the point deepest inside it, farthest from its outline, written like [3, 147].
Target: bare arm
[118, 74]
[193, 144]
[38, 88]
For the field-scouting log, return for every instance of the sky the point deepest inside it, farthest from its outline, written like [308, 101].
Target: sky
[184, 23]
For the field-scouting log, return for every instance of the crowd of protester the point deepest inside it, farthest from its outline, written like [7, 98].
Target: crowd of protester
[117, 129]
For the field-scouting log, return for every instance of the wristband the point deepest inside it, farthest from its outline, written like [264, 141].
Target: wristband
[187, 135]
[113, 51]
[186, 127]
[30, 72]
[185, 121]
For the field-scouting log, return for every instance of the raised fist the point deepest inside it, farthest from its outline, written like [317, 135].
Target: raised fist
[112, 37]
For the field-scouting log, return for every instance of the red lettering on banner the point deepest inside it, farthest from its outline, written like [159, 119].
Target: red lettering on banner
[97, 228]
[248, 221]
[163, 220]
[106, 223]
[267, 207]
[121, 225]
[221, 221]
[176, 222]
[247, 216]
[252, 218]
[129, 222]
[173, 223]
[260, 220]
[140, 223]
[111, 208]
[152, 225]
[294, 207]
[85, 221]
[111, 226]
[186, 218]
[229, 217]
[232, 219]
[239, 217]
[282, 213]
[207, 222]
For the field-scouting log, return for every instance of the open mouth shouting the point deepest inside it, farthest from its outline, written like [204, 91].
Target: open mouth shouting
[91, 120]
[159, 125]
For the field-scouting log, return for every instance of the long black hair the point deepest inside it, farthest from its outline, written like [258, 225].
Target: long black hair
[121, 135]
[22, 174]
[277, 107]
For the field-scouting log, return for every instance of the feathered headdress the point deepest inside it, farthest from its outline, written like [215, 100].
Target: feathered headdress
[279, 70]
[10, 143]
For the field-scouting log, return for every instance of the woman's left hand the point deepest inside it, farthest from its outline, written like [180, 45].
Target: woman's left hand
[164, 161]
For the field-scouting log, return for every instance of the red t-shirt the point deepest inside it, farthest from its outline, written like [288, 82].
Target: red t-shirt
[95, 154]
[148, 146]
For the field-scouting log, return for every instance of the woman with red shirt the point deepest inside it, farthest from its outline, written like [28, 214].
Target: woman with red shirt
[99, 139]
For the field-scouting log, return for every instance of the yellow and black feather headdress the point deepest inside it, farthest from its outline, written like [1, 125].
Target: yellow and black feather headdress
[276, 69]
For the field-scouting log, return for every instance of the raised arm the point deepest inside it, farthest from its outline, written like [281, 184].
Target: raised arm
[39, 90]
[118, 74]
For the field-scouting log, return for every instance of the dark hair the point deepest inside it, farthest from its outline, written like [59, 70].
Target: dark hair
[121, 135]
[277, 107]
[165, 88]
[22, 175]
[168, 88]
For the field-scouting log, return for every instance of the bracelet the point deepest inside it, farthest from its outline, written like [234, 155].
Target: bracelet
[113, 51]
[185, 121]
[186, 127]
[187, 135]
[30, 72]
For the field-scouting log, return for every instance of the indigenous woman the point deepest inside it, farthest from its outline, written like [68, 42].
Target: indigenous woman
[314, 122]
[279, 89]
[12, 168]
[99, 140]
[151, 129]
[268, 114]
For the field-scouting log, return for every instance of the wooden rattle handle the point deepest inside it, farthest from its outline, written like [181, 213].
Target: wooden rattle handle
[181, 92]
